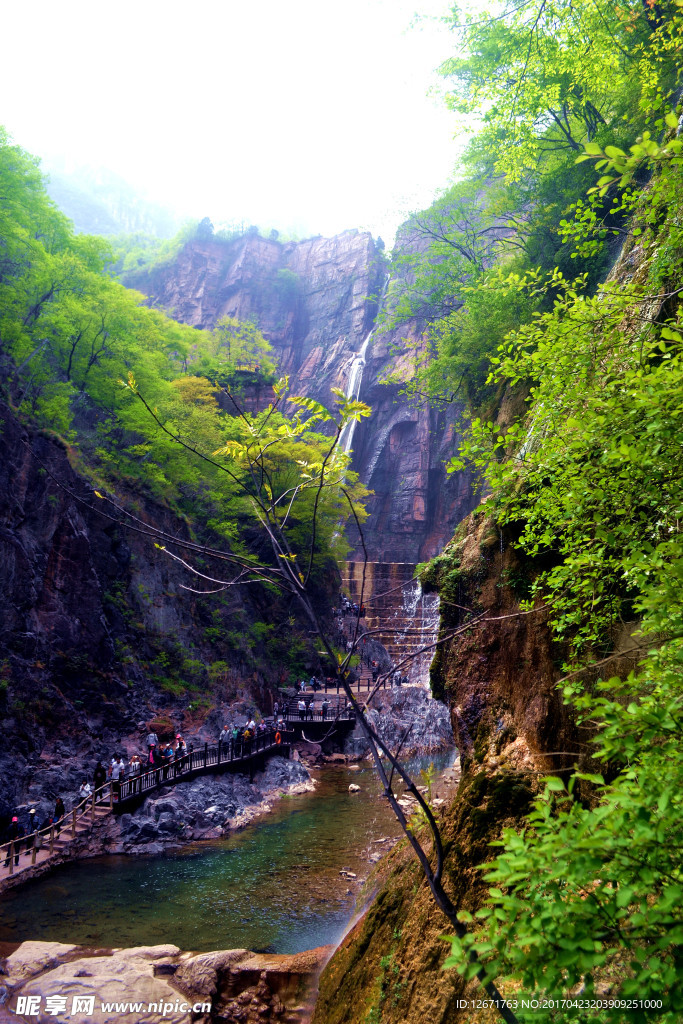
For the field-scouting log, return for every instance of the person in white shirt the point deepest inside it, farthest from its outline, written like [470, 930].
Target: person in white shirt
[116, 774]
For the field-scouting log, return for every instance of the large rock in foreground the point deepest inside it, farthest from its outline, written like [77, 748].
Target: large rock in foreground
[149, 983]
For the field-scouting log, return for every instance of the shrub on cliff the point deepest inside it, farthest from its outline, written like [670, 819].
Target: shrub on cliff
[592, 894]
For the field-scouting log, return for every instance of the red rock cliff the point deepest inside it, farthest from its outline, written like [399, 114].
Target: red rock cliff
[316, 302]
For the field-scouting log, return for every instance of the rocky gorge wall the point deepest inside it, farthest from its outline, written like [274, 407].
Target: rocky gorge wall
[97, 635]
[316, 302]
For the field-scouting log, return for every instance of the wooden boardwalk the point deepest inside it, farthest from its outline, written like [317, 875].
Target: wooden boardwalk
[53, 844]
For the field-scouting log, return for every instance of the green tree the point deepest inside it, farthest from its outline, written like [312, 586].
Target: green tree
[239, 345]
[553, 74]
[590, 484]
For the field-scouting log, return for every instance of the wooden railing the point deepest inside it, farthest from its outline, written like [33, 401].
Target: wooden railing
[231, 752]
[314, 713]
[45, 838]
[116, 793]
[363, 682]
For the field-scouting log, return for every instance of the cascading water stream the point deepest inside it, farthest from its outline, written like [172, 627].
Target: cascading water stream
[356, 379]
[353, 391]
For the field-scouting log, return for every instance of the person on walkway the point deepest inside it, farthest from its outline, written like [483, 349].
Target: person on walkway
[15, 834]
[115, 774]
[247, 737]
[180, 755]
[324, 708]
[85, 791]
[31, 829]
[165, 757]
[302, 709]
[235, 741]
[135, 773]
[152, 739]
[225, 735]
[99, 779]
[58, 816]
[157, 757]
[37, 834]
[276, 708]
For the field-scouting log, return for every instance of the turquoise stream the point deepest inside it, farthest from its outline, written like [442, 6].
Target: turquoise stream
[275, 886]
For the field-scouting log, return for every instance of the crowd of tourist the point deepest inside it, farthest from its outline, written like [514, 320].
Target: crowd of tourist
[167, 759]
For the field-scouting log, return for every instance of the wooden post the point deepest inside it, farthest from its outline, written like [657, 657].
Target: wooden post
[206, 753]
[92, 810]
[52, 839]
[111, 795]
[219, 752]
[33, 850]
[73, 823]
[11, 857]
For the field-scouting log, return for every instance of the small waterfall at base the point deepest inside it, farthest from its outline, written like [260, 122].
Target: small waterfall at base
[407, 619]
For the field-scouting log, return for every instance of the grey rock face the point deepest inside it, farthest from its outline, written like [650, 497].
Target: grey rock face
[206, 807]
[411, 710]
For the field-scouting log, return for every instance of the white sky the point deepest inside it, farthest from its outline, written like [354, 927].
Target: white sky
[303, 114]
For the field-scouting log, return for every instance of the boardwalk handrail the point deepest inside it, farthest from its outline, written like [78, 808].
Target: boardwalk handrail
[44, 838]
[114, 793]
[292, 713]
[363, 682]
[235, 751]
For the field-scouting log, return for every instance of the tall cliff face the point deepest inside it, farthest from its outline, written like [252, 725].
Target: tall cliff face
[401, 455]
[316, 302]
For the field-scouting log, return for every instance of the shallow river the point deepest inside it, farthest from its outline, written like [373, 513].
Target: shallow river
[275, 886]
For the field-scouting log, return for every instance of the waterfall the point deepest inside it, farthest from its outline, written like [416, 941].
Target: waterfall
[353, 391]
[356, 379]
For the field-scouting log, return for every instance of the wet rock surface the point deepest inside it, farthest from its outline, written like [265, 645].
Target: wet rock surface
[228, 985]
[408, 714]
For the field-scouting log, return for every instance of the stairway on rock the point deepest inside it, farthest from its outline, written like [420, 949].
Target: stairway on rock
[395, 604]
